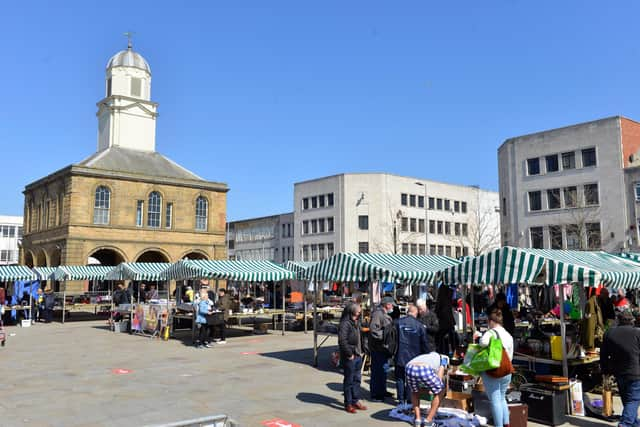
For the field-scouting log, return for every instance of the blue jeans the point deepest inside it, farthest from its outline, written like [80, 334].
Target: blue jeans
[630, 396]
[378, 382]
[351, 381]
[401, 385]
[496, 389]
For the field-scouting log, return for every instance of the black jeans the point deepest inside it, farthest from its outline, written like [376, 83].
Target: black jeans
[203, 333]
[401, 386]
[352, 379]
[378, 381]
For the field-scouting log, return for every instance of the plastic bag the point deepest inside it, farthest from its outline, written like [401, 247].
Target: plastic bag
[479, 359]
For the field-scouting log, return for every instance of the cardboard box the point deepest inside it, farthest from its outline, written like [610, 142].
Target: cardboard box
[458, 400]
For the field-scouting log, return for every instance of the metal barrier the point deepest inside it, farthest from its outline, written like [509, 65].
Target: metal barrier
[210, 421]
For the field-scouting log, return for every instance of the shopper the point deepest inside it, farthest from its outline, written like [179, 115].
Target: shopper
[203, 309]
[606, 308]
[496, 388]
[39, 300]
[425, 372]
[152, 293]
[223, 304]
[380, 334]
[429, 319]
[412, 342]
[446, 339]
[620, 357]
[49, 303]
[350, 345]
[509, 322]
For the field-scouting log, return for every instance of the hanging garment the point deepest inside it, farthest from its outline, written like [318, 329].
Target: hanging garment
[592, 324]
[512, 296]
[375, 290]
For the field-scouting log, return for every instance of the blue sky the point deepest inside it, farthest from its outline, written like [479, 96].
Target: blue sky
[261, 94]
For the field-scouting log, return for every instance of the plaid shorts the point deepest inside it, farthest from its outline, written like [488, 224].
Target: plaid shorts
[420, 376]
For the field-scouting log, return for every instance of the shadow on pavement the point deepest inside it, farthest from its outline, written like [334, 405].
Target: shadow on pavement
[335, 386]
[384, 416]
[305, 356]
[583, 422]
[320, 399]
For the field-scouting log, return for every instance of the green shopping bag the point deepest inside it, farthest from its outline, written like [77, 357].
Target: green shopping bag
[479, 359]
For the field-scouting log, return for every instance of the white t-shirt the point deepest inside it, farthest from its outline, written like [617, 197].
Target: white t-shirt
[505, 337]
[429, 359]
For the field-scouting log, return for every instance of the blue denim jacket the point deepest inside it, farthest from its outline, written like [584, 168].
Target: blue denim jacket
[203, 310]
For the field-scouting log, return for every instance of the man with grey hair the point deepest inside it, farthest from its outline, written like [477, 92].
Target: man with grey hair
[428, 319]
[620, 357]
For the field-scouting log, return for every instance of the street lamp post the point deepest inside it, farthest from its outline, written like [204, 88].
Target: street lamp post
[426, 218]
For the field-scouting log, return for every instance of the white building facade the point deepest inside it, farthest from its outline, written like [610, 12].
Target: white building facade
[385, 213]
[10, 236]
[572, 188]
[267, 238]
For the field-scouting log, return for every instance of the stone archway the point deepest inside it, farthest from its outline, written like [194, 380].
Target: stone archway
[195, 254]
[55, 256]
[107, 256]
[41, 258]
[153, 255]
[29, 258]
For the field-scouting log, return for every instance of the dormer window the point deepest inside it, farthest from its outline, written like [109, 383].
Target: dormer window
[136, 87]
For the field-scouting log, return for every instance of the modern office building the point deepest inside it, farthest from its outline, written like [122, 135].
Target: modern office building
[572, 188]
[126, 202]
[10, 239]
[267, 238]
[385, 213]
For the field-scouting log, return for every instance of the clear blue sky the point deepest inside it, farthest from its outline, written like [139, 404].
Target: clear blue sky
[261, 94]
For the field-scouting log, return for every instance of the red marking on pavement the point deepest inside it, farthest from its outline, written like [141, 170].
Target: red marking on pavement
[120, 371]
[255, 340]
[279, 422]
[246, 353]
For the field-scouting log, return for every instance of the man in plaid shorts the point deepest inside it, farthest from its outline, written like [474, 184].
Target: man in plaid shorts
[425, 372]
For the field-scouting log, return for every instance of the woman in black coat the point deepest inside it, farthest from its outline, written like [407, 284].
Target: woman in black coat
[445, 339]
[350, 344]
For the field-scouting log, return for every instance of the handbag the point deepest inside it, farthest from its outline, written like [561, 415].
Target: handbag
[480, 359]
[505, 367]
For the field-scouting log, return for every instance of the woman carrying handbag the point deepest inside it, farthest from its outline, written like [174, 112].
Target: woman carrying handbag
[496, 381]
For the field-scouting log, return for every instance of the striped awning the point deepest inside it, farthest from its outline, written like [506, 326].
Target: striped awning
[355, 267]
[10, 273]
[239, 270]
[139, 271]
[82, 272]
[631, 255]
[44, 273]
[518, 265]
[299, 267]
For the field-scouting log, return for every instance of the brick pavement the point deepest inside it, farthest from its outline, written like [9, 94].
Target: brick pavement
[61, 375]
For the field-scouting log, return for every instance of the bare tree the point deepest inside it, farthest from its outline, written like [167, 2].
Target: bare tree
[583, 230]
[481, 233]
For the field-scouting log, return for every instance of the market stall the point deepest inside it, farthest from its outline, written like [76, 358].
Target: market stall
[66, 273]
[157, 312]
[249, 271]
[568, 272]
[300, 268]
[13, 274]
[372, 268]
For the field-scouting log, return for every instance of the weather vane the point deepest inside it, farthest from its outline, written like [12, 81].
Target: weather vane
[129, 35]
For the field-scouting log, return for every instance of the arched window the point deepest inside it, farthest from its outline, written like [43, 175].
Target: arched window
[101, 205]
[154, 209]
[202, 208]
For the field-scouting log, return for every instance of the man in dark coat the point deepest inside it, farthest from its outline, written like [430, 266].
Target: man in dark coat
[429, 319]
[350, 345]
[620, 356]
[380, 320]
[412, 342]
[223, 304]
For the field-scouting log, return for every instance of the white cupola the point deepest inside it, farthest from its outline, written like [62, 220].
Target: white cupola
[126, 116]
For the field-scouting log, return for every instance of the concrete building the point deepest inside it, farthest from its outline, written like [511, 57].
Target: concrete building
[126, 202]
[10, 236]
[267, 238]
[573, 187]
[377, 212]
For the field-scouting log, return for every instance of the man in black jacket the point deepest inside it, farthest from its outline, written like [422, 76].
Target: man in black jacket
[429, 319]
[380, 322]
[350, 344]
[412, 342]
[620, 356]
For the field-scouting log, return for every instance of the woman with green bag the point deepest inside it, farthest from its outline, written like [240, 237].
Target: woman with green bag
[497, 381]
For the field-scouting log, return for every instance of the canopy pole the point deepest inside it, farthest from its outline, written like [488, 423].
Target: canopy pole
[64, 299]
[463, 291]
[563, 334]
[473, 315]
[305, 309]
[284, 307]
[315, 323]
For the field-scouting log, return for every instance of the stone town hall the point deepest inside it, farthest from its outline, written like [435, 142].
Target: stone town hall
[126, 202]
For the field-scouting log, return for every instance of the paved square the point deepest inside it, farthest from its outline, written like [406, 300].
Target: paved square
[81, 374]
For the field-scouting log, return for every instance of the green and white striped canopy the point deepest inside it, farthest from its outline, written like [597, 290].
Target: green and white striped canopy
[10, 273]
[82, 272]
[299, 267]
[44, 273]
[356, 267]
[239, 270]
[518, 265]
[631, 255]
[139, 271]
